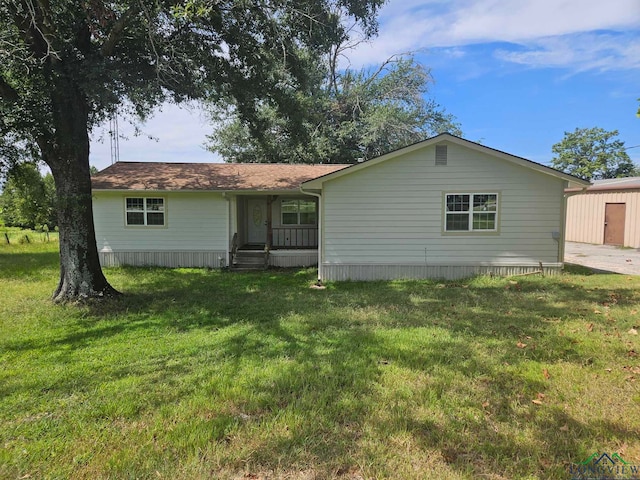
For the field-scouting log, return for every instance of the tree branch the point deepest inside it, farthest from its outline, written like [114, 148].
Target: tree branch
[41, 29]
[116, 32]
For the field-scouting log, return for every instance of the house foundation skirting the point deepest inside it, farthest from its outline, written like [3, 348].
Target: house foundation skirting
[335, 272]
[293, 258]
[195, 259]
[170, 259]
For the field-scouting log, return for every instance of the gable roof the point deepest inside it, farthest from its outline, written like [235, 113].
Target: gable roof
[159, 176]
[576, 181]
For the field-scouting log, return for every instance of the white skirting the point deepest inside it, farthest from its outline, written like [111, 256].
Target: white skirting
[339, 272]
[212, 259]
[293, 258]
[171, 259]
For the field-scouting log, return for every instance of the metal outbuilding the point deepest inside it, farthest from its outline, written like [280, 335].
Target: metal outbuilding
[606, 213]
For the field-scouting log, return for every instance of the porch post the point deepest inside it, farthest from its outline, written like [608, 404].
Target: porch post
[319, 213]
[228, 230]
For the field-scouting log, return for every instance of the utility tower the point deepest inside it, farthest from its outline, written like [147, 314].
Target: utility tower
[114, 139]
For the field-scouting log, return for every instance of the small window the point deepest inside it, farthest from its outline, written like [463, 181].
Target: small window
[441, 155]
[141, 211]
[298, 212]
[470, 212]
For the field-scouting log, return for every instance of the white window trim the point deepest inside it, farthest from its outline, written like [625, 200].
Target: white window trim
[144, 211]
[494, 230]
[298, 224]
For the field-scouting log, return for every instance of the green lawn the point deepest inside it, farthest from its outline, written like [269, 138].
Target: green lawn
[197, 374]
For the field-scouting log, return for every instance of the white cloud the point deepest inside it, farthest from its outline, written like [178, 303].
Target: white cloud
[490, 20]
[177, 136]
[579, 52]
[409, 25]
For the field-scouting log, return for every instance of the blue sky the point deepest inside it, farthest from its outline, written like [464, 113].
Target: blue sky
[516, 73]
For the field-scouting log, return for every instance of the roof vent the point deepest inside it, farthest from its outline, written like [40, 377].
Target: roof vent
[441, 154]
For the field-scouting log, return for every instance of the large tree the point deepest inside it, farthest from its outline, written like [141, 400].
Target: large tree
[350, 115]
[66, 65]
[592, 154]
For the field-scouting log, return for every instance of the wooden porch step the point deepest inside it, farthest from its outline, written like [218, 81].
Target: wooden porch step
[249, 260]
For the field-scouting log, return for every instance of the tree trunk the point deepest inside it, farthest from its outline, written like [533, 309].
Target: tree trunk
[67, 153]
[80, 272]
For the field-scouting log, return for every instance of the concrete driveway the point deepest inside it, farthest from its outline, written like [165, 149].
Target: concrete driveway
[603, 257]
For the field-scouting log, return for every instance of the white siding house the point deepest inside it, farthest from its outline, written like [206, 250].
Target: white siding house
[395, 216]
[442, 208]
[206, 215]
[193, 231]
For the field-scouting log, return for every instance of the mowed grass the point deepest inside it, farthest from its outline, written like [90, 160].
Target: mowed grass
[197, 374]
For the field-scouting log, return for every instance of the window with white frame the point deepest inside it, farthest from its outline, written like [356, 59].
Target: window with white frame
[298, 212]
[471, 212]
[145, 211]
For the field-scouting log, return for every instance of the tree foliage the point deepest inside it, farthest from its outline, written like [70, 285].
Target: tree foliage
[28, 198]
[592, 154]
[67, 65]
[349, 115]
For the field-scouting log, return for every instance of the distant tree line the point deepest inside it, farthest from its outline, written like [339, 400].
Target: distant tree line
[28, 198]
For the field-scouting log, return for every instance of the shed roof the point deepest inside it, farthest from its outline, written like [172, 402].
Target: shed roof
[626, 183]
[610, 184]
[207, 176]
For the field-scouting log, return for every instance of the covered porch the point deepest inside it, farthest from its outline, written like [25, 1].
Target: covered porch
[276, 222]
[278, 230]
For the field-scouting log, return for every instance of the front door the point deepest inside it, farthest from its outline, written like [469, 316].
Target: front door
[614, 223]
[257, 220]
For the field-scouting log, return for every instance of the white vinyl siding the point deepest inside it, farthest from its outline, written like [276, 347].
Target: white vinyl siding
[392, 213]
[195, 222]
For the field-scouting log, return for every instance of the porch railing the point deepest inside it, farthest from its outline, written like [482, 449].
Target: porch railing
[295, 237]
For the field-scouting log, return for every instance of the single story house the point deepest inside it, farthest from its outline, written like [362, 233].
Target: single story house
[442, 208]
[606, 213]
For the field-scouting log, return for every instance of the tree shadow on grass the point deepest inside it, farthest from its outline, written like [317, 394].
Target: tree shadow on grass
[14, 266]
[290, 377]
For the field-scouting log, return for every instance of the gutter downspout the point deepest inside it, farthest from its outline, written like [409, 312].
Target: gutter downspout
[319, 197]
[227, 230]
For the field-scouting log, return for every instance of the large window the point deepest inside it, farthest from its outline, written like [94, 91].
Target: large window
[470, 212]
[298, 212]
[145, 211]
